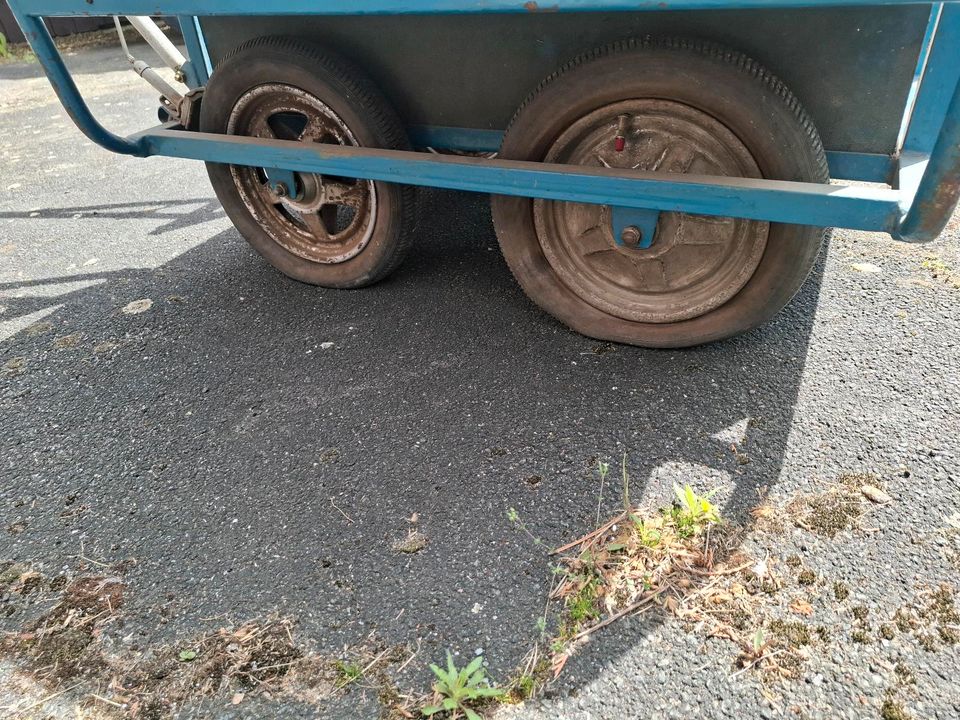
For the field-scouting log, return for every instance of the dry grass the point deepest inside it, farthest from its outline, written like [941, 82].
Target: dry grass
[60, 643]
[692, 566]
[67, 650]
[689, 567]
[835, 510]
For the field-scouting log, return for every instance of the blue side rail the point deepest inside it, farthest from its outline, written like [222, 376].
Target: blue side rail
[924, 183]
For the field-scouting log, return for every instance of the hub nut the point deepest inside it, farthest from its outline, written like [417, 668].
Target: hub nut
[631, 236]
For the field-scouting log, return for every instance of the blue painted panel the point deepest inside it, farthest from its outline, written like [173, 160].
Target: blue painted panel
[455, 138]
[51, 8]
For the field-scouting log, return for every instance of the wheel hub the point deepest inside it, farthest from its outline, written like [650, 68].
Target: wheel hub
[323, 219]
[694, 263]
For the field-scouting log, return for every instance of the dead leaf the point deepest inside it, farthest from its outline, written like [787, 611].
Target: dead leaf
[801, 607]
[414, 542]
[875, 494]
[137, 306]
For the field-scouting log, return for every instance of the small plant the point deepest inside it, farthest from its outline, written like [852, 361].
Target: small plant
[348, 671]
[648, 533]
[754, 649]
[939, 270]
[603, 468]
[626, 485]
[4, 50]
[514, 517]
[582, 606]
[457, 689]
[693, 512]
[892, 710]
[541, 626]
[525, 686]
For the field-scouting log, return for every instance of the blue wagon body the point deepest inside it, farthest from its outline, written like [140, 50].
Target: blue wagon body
[923, 170]
[878, 77]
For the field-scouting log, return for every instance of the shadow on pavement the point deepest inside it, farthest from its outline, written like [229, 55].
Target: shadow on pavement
[204, 209]
[249, 470]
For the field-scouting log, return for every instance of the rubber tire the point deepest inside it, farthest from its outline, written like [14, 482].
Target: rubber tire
[371, 119]
[727, 85]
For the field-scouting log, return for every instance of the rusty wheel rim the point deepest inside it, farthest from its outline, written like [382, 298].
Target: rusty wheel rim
[696, 263]
[325, 219]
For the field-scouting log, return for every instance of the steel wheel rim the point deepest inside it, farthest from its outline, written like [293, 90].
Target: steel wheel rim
[333, 219]
[696, 263]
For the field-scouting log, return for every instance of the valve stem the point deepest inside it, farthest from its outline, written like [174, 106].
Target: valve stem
[620, 141]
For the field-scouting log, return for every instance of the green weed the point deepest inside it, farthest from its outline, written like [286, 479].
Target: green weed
[693, 512]
[458, 689]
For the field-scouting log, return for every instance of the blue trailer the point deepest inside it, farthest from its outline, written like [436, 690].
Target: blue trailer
[662, 173]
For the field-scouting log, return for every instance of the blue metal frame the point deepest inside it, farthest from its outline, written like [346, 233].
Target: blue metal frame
[52, 8]
[198, 69]
[864, 208]
[929, 184]
[935, 89]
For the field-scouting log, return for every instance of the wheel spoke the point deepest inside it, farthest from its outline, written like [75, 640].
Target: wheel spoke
[313, 130]
[676, 157]
[318, 129]
[341, 193]
[260, 128]
[316, 226]
[593, 241]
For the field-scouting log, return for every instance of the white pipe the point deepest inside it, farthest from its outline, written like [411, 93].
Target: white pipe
[146, 72]
[159, 84]
[158, 41]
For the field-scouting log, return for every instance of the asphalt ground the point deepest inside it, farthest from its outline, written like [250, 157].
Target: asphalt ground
[250, 468]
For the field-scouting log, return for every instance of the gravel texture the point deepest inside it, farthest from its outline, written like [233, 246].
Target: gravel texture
[259, 446]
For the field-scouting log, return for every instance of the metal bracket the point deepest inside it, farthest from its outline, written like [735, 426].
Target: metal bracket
[634, 227]
[283, 183]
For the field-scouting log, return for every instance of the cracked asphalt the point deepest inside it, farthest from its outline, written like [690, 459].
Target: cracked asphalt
[249, 467]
